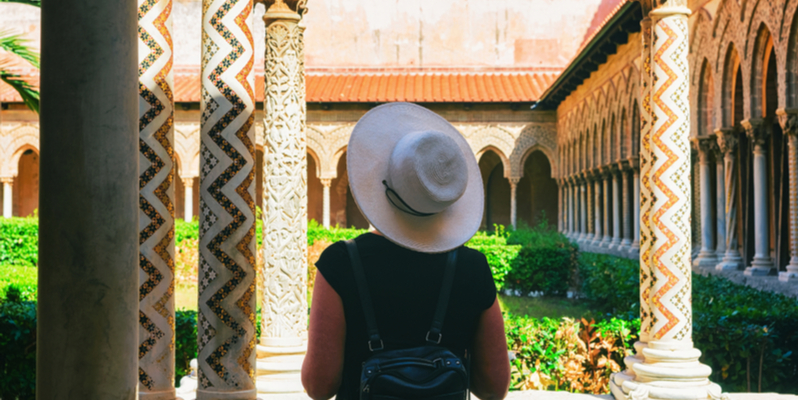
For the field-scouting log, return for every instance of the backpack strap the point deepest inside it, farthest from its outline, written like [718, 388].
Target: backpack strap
[375, 342]
[434, 335]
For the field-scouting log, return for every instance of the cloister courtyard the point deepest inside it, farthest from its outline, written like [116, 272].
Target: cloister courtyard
[172, 169]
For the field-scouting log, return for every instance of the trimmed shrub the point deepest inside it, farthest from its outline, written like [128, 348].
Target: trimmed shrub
[19, 241]
[546, 262]
[18, 344]
[499, 254]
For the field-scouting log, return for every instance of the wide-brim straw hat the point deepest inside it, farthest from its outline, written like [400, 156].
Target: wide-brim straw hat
[415, 178]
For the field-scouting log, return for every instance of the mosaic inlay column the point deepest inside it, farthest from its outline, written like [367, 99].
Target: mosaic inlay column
[727, 140]
[156, 202]
[758, 133]
[285, 311]
[637, 231]
[708, 255]
[671, 369]
[326, 203]
[227, 304]
[719, 196]
[8, 195]
[788, 120]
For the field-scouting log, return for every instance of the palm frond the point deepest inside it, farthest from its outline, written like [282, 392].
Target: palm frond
[30, 96]
[35, 3]
[17, 45]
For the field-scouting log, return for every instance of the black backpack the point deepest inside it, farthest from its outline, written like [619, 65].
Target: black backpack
[425, 372]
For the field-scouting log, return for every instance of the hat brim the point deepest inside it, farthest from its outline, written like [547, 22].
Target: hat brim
[368, 152]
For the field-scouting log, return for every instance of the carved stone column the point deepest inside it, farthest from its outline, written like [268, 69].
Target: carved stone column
[625, 244]
[637, 219]
[719, 195]
[227, 304]
[285, 310]
[758, 133]
[156, 202]
[607, 208]
[598, 211]
[8, 196]
[708, 256]
[188, 198]
[513, 183]
[670, 369]
[326, 202]
[788, 121]
[584, 200]
[727, 140]
[615, 209]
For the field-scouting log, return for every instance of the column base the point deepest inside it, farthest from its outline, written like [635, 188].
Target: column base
[162, 395]
[278, 365]
[665, 375]
[634, 250]
[706, 259]
[614, 245]
[624, 247]
[791, 271]
[759, 267]
[215, 395]
[731, 262]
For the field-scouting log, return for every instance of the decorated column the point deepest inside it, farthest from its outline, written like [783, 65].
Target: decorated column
[571, 217]
[670, 368]
[156, 202]
[188, 198]
[326, 203]
[637, 204]
[227, 304]
[598, 211]
[584, 199]
[708, 255]
[513, 183]
[608, 174]
[285, 310]
[8, 196]
[625, 244]
[727, 140]
[719, 196]
[615, 209]
[758, 133]
[788, 121]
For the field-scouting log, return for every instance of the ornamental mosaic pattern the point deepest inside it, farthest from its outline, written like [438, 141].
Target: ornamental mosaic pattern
[671, 184]
[156, 201]
[284, 199]
[227, 302]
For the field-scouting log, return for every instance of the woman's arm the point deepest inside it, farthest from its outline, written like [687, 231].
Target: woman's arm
[490, 369]
[322, 367]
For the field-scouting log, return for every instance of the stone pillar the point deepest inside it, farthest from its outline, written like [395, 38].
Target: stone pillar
[572, 203]
[708, 256]
[727, 140]
[598, 211]
[616, 240]
[188, 198]
[720, 201]
[607, 208]
[156, 202]
[625, 244]
[284, 315]
[584, 199]
[8, 196]
[513, 183]
[226, 319]
[788, 121]
[670, 368]
[637, 203]
[87, 340]
[326, 202]
[758, 133]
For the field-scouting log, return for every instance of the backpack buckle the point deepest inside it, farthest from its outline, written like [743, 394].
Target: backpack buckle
[428, 338]
[375, 348]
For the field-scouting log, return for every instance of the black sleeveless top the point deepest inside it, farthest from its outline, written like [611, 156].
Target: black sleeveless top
[404, 286]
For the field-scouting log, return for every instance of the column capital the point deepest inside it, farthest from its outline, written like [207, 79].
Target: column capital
[291, 10]
[664, 8]
[704, 146]
[634, 163]
[514, 180]
[188, 181]
[624, 165]
[756, 129]
[787, 117]
[326, 182]
[726, 140]
[7, 179]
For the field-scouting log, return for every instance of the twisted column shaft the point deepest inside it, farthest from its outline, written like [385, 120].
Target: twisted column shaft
[732, 260]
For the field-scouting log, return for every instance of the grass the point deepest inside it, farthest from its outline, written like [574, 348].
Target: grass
[551, 307]
[24, 277]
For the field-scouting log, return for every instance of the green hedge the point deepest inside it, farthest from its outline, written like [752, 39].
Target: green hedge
[738, 328]
[19, 241]
[546, 263]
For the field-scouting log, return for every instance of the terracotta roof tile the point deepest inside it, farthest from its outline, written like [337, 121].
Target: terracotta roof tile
[355, 87]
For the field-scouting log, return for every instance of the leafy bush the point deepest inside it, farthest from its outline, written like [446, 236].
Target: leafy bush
[499, 254]
[18, 344]
[317, 232]
[546, 262]
[19, 241]
[21, 278]
[185, 342]
[748, 337]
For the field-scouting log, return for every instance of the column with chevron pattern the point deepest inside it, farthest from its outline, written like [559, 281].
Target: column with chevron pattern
[227, 301]
[156, 202]
[670, 369]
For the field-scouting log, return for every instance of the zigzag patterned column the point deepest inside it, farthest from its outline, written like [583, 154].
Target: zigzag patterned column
[156, 202]
[226, 322]
[285, 309]
[670, 369]
[788, 121]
